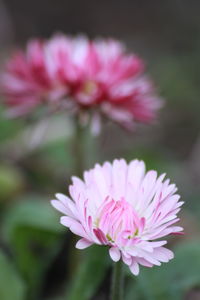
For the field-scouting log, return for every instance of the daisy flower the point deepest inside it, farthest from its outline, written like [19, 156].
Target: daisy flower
[103, 78]
[125, 208]
[25, 82]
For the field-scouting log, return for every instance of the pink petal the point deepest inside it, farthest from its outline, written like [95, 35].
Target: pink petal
[127, 260]
[74, 226]
[134, 268]
[60, 207]
[144, 262]
[115, 254]
[83, 243]
[100, 236]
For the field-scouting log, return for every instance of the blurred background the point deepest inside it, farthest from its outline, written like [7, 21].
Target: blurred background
[36, 258]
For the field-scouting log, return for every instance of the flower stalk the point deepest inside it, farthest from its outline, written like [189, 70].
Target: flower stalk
[78, 153]
[117, 282]
[78, 148]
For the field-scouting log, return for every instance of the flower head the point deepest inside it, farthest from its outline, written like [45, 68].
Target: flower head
[102, 77]
[121, 206]
[98, 77]
[25, 81]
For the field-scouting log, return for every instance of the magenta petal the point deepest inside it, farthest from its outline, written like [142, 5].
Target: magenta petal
[100, 236]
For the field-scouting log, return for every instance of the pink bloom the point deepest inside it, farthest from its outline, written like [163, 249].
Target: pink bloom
[25, 82]
[97, 77]
[101, 76]
[121, 206]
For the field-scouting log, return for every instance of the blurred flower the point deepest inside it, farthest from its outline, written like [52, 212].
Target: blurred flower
[102, 77]
[25, 82]
[121, 206]
[83, 76]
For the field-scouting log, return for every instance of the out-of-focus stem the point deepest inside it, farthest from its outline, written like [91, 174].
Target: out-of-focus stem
[117, 282]
[78, 153]
[84, 155]
[79, 149]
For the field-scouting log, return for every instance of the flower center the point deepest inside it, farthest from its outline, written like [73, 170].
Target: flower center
[118, 220]
[89, 87]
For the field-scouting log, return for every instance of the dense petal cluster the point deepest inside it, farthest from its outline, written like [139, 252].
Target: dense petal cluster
[122, 206]
[26, 83]
[98, 75]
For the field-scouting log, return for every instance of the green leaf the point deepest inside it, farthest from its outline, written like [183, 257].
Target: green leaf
[58, 153]
[132, 290]
[9, 128]
[35, 236]
[11, 182]
[11, 285]
[90, 274]
[34, 212]
[171, 280]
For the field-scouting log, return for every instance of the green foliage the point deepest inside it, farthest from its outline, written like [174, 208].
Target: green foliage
[89, 274]
[11, 182]
[58, 153]
[171, 280]
[32, 211]
[178, 81]
[35, 236]
[11, 285]
[132, 290]
[9, 128]
[152, 157]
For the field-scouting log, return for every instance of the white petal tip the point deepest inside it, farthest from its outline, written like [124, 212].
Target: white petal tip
[115, 254]
[134, 268]
[82, 244]
[65, 221]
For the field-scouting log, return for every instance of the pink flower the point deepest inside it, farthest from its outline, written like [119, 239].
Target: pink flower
[96, 77]
[25, 82]
[101, 76]
[121, 206]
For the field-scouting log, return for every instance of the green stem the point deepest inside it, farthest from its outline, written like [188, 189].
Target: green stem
[85, 148]
[84, 154]
[117, 282]
[78, 149]
[78, 154]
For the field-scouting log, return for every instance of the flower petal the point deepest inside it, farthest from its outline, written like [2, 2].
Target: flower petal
[83, 243]
[134, 267]
[115, 254]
